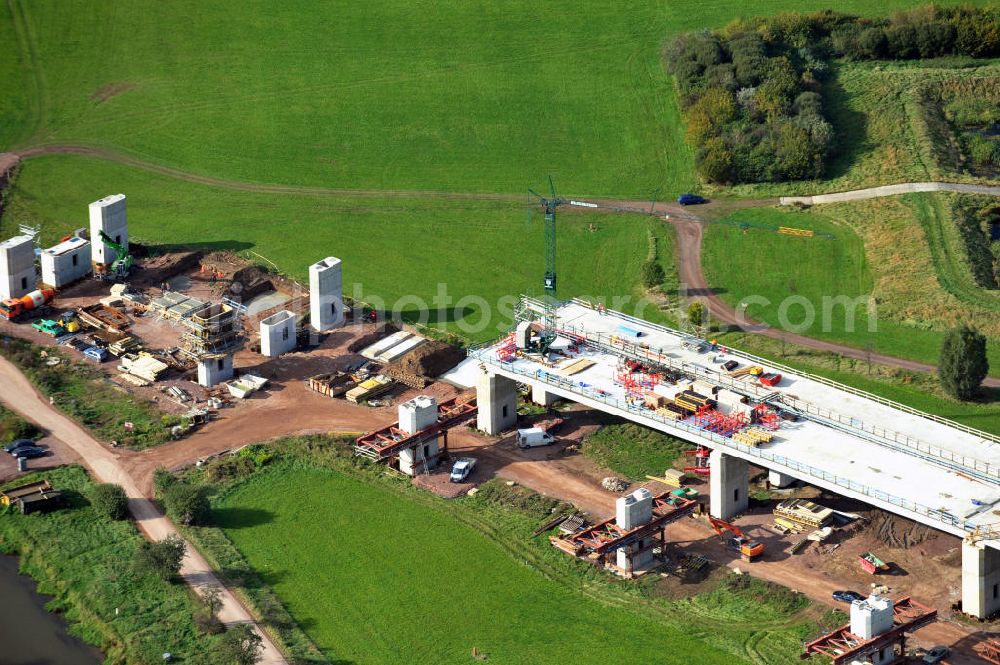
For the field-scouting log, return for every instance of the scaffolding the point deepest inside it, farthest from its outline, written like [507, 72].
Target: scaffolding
[213, 330]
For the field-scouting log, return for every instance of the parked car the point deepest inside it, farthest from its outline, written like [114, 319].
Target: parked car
[462, 469]
[691, 199]
[17, 443]
[29, 452]
[847, 596]
[936, 654]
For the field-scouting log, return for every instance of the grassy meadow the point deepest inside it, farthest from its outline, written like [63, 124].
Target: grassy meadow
[354, 555]
[882, 255]
[391, 247]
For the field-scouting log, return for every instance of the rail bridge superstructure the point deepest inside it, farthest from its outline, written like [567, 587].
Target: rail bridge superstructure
[926, 468]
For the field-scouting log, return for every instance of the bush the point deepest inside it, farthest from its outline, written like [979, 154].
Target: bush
[109, 501]
[241, 645]
[696, 313]
[963, 364]
[162, 480]
[652, 274]
[187, 504]
[162, 558]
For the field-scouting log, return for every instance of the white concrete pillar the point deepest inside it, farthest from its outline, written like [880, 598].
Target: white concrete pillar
[542, 397]
[980, 580]
[729, 485]
[108, 215]
[778, 479]
[17, 267]
[496, 397]
[277, 334]
[212, 371]
[326, 294]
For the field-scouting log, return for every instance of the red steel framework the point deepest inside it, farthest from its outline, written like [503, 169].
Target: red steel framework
[385, 443]
[715, 421]
[989, 650]
[845, 647]
[700, 466]
[607, 536]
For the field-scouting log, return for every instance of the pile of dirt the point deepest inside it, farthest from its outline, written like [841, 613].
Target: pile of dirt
[897, 531]
[430, 360]
[248, 283]
[160, 269]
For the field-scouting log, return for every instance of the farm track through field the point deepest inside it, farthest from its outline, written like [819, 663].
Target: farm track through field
[689, 237]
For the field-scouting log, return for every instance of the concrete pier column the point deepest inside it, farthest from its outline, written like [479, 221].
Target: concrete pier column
[980, 580]
[542, 397]
[497, 399]
[778, 479]
[215, 369]
[729, 485]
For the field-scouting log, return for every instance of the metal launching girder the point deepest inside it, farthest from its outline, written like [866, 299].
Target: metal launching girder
[843, 646]
[382, 444]
[607, 536]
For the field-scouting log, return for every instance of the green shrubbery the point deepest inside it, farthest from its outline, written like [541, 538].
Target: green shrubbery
[187, 504]
[963, 364]
[161, 558]
[752, 92]
[109, 501]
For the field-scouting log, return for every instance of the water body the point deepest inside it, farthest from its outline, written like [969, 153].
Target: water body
[29, 635]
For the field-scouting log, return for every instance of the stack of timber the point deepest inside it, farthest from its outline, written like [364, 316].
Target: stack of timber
[143, 365]
[753, 436]
[334, 384]
[369, 389]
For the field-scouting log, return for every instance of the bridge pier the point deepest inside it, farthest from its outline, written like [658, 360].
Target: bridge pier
[542, 397]
[496, 397]
[980, 580]
[729, 485]
[778, 479]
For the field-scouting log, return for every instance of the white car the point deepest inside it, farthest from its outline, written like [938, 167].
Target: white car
[462, 469]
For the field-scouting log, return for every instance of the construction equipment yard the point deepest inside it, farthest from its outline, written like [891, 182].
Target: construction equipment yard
[918, 495]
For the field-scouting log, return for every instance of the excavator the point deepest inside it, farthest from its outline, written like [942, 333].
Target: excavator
[734, 538]
[122, 264]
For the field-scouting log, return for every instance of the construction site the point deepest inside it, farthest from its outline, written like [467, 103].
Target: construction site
[789, 476]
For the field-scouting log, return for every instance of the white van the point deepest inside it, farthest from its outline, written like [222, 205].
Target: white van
[533, 437]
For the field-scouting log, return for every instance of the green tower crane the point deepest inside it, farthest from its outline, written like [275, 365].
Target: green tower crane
[549, 204]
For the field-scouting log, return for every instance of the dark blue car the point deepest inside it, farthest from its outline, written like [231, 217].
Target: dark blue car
[847, 596]
[18, 443]
[691, 199]
[29, 452]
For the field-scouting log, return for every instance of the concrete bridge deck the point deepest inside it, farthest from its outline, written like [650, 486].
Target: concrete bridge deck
[926, 468]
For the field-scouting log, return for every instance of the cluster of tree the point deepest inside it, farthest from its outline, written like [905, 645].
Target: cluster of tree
[751, 93]
[753, 108]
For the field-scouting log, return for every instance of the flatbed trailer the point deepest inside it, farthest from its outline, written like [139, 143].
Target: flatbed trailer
[103, 317]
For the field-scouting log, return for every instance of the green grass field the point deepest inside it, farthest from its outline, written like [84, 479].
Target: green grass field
[796, 276]
[377, 580]
[459, 96]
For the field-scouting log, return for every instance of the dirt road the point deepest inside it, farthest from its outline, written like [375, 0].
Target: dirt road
[892, 190]
[20, 396]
